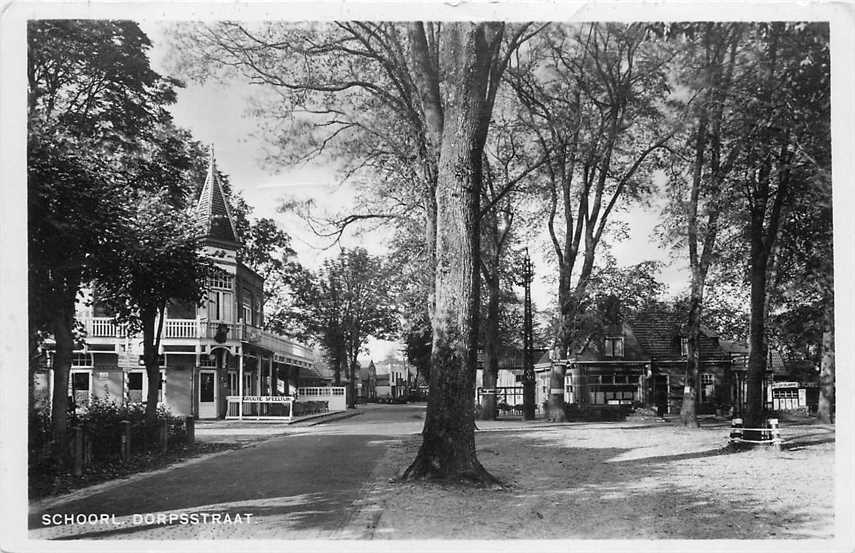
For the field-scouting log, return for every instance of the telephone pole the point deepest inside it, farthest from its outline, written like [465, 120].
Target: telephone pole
[528, 342]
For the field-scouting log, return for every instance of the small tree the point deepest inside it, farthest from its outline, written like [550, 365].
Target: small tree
[157, 260]
[346, 303]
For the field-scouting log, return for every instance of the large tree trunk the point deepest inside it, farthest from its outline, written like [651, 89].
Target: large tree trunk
[688, 410]
[448, 446]
[825, 411]
[63, 322]
[491, 350]
[564, 341]
[757, 344]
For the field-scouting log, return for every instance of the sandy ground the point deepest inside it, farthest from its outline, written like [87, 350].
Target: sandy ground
[630, 480]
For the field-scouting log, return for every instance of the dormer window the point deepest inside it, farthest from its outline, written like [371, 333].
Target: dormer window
[614, 346]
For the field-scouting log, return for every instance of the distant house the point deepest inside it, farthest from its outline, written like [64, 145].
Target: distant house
[641, 361]
[509, 382]
[368, 381]
[393, 378]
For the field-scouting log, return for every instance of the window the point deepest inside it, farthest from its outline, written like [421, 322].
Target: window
[80, 359]
[707, 386]
[246, 308]
[614, 347]
[233, 383]
[80, 386]
[135, 387]
[138, 386]
[220, 281]
[684, 347]
[620, 379]
[219, 306]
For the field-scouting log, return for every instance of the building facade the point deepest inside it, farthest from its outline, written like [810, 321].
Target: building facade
[208, 352]
[641, 361]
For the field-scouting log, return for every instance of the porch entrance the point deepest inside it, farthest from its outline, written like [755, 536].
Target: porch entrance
[207, 394]
[660, 393]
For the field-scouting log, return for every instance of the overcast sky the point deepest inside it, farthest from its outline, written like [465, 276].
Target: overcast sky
[215, 113]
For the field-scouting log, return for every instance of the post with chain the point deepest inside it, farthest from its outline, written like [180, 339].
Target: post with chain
[528, 343]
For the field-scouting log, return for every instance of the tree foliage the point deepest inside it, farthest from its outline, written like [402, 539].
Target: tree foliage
[92, 97]
[347, 301]
[155, 260]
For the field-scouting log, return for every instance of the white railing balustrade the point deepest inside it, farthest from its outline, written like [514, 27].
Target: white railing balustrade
[104, 327]
[181, 328]
[260, 407]
[334, 395]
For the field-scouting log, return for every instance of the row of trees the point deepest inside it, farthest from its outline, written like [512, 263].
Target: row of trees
[465, 136]
[469, 139]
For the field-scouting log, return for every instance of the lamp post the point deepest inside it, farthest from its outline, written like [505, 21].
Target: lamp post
[528, 339]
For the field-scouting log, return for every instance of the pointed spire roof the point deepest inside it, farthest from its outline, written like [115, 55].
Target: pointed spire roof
[212, 209]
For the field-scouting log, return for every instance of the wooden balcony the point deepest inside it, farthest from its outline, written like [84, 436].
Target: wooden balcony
[284, 349]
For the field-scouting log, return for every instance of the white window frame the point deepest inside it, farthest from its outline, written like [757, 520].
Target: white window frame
[145, 383]
[88, 355]
[684, 346]
[72, 372]
[246, 307]
[220, 281]
[617, 344]
[220, 307]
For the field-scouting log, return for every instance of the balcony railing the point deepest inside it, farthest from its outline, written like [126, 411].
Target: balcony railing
[181, 328]
[106, 327]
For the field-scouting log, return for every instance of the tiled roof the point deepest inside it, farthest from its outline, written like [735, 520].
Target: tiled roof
[655, 335]
[212, 209]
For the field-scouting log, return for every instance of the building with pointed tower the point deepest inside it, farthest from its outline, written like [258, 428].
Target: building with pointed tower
[212, 355]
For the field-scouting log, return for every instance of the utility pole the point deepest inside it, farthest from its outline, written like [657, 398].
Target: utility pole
[528, 342]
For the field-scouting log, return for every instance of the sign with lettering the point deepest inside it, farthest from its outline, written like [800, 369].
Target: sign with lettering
[268, 399]
[785, 385]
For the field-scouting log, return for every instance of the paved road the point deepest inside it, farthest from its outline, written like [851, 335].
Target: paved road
[296, 486]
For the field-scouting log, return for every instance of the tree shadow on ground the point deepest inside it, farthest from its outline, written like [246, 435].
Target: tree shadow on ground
[260, 480]
[613, 493]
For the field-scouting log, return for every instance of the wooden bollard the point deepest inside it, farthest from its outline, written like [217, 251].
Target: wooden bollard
[775, 430]
[125, 450]
[735, 430]
[190, 427]
[164, 435]
[77, 441]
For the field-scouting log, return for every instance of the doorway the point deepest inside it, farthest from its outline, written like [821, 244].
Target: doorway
[207, 394]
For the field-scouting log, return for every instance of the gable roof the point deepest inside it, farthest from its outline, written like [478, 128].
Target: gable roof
[212, 209]
[656, 335]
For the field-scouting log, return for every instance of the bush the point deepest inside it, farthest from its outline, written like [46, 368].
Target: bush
[101, 423]
[303, 408]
